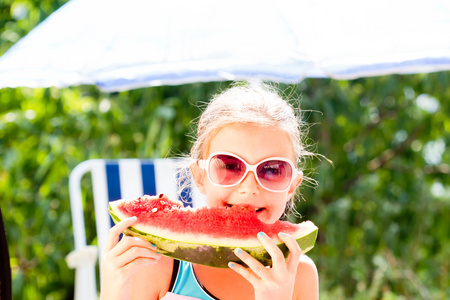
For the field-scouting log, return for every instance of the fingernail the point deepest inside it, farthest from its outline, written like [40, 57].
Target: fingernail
[282, 233]
[238, 251]
[153, 245]
[260, 234]
[231, 265]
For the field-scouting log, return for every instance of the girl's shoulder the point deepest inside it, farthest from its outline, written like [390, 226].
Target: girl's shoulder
[153, 281]
[306, 262]
[307, 279]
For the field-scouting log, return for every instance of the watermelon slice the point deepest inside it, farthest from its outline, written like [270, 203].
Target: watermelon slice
[206, 236]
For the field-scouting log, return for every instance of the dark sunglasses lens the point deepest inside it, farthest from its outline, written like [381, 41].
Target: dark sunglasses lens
[226, 169]
[275, 174]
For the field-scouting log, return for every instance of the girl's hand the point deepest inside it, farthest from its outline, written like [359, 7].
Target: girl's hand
[122, 259]
[278, 281]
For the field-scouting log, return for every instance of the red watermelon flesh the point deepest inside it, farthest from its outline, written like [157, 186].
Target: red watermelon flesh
[232, 222]
[205, 235]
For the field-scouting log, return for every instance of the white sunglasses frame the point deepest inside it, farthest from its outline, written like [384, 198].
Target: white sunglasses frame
[204, 163]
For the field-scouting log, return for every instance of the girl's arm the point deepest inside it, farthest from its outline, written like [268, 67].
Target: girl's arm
[307, 281]
[153, 282]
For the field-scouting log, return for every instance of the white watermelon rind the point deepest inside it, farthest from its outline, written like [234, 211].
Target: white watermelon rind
[216, 252]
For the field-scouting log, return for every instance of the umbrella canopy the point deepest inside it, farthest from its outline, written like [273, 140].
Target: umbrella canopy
[121, 45]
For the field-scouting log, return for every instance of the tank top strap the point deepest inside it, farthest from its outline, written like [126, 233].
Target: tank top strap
[185, 282]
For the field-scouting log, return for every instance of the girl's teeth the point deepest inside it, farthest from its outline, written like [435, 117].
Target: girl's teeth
[257, 209]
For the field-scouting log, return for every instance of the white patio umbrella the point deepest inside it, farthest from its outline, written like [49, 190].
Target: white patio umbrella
[120, 45]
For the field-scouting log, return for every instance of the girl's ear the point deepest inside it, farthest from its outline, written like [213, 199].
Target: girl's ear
[199, 177]
[297, 181]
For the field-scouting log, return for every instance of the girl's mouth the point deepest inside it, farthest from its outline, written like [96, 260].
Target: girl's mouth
[249, 207]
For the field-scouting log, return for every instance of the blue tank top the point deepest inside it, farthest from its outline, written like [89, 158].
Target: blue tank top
[185, 282]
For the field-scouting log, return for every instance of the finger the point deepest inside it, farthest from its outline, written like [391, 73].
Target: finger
[255, 271]
[294, 250]
[278, 259]
[136, 253]
[128, 242]
[244, 272]
[116, 230]
[135, 265]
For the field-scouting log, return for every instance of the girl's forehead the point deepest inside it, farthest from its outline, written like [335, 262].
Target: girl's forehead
[252, 142]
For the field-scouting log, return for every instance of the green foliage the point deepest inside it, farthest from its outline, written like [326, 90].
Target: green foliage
[45, 133]
[381, 205]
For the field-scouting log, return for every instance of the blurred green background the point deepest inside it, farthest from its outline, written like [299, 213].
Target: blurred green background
[382, 206]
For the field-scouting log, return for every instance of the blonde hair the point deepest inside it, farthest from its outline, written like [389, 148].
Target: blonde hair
[248, 103]
[252, 103]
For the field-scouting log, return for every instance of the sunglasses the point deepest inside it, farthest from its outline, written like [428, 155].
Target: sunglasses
[274, 174]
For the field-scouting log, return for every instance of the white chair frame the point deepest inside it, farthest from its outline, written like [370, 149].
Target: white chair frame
[131, 177]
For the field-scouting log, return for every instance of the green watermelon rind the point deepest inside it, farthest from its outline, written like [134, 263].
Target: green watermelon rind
[213, 255]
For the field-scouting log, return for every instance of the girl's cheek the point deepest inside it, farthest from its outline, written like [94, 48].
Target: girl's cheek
[216, 196]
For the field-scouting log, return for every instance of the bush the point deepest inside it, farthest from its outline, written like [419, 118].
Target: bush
[381, 205]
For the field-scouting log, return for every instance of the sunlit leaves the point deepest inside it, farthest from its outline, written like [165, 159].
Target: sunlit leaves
[389, 145]
[382, 196]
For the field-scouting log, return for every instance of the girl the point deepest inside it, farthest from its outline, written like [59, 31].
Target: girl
[242, 127]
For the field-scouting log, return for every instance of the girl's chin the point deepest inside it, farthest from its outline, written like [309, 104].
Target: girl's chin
[262, 212]
[265, 216]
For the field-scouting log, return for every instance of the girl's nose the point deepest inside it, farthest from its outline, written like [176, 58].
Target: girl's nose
[249, 185]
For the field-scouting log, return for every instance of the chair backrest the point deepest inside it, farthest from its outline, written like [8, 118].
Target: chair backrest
[112, 180]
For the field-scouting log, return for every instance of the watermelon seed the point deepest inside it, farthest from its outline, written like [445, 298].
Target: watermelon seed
[154, 210]
[162, 202]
